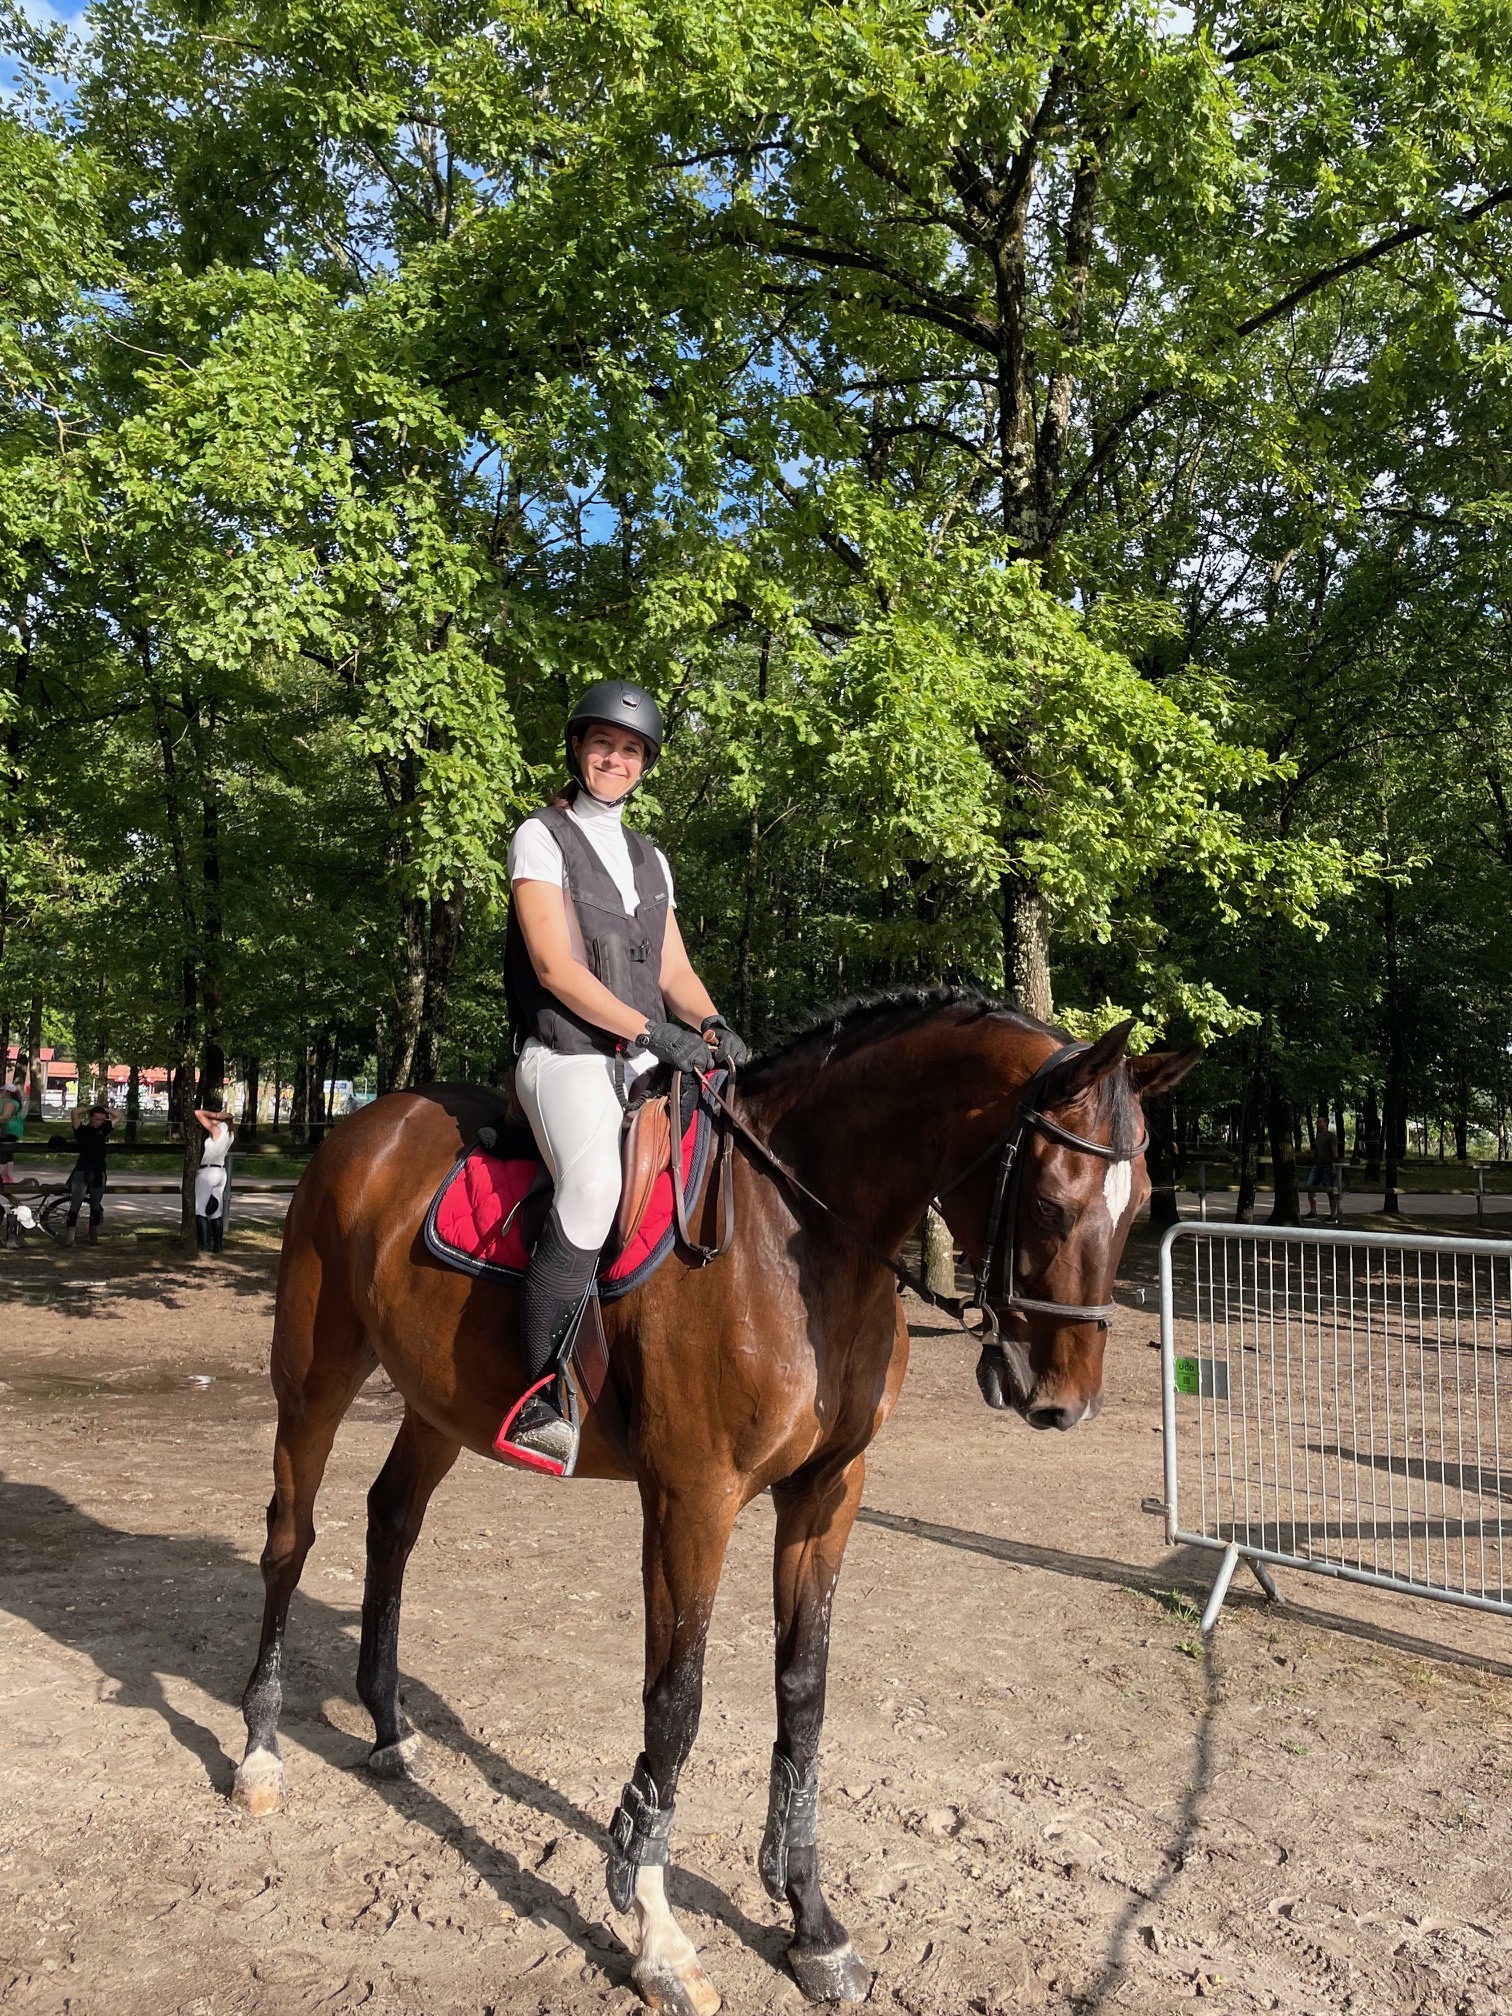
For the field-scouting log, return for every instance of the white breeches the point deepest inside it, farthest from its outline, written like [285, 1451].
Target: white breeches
[575, 1113]
[209, 1192]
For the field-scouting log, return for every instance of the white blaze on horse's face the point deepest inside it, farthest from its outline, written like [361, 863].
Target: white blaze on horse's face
[1118, 1183]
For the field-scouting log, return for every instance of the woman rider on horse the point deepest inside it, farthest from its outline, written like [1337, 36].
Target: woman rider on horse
[594, 960]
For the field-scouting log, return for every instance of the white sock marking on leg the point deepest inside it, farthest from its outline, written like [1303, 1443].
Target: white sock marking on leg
[661, 1940]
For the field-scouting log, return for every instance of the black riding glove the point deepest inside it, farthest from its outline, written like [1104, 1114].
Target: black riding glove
[728, 1047]
[674, 1045]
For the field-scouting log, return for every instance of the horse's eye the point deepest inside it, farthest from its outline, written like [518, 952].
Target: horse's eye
[1051, 1213]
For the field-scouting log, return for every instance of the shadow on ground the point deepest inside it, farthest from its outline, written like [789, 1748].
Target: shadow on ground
[62, 1568]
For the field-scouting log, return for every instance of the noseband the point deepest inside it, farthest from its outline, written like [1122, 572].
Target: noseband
[1000, 1252]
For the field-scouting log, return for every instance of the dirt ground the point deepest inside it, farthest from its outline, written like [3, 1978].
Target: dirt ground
[1040, 1791]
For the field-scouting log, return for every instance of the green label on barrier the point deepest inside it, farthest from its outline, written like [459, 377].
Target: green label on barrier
[1206, 1377]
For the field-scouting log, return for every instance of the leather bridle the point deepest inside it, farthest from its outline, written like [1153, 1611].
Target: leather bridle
[999, 1262]
[1000, 1252]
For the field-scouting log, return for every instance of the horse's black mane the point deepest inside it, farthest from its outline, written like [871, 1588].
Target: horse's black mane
[845, 1024]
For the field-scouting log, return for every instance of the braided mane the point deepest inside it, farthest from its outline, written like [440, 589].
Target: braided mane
[845, 1025]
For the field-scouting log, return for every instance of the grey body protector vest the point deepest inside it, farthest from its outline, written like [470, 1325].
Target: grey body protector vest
[625, 953]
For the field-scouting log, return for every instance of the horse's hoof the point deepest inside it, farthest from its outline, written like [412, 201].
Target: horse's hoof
[404, 1759]
[662, 1988]
[258, 1785]
[840, 1976]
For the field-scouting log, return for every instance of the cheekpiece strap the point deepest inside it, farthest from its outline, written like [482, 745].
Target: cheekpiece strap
[638, 1836]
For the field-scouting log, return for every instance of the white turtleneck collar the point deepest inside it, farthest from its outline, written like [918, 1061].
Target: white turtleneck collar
[591, 811]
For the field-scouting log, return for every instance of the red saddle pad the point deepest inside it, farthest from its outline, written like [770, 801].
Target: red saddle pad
[474, 1222]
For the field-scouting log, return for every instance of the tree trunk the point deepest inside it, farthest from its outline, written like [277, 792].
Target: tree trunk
[189, 1167]
[299, 1110]
[1396, 1110]
[938, 1255]
[252, 1078]
[380, 1054]
[1160, 1162]
[316, 1093]
[133, 1103]
[1462, 1118]
[277, 1091]
[748, 924]
[188, 1029]
[441, 961]
[212, 1082]
[1339, 1145]
[409, 989]
[1248, 1147]
[753, 871]
[1026, 950]
[1286, 1208]
[29, 1075]
[1370, 1120]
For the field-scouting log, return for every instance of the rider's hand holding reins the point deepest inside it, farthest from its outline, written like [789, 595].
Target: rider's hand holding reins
[728, 1048]
[674, 1045]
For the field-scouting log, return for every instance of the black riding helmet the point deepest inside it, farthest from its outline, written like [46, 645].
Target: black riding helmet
[615, 703]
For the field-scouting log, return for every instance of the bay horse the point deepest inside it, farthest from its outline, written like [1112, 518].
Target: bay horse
[773, 1368]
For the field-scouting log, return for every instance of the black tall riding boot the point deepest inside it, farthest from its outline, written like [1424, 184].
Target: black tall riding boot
[202, 1232]
[556, 1281]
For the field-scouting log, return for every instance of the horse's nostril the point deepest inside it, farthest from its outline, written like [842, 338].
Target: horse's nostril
[1053, 1417]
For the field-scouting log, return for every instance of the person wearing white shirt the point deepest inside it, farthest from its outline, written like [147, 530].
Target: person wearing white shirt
[596, 970]
[212, 1180]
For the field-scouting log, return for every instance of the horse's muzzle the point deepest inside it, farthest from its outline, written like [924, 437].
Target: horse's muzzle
[1004, 1374]
[1056, 1414]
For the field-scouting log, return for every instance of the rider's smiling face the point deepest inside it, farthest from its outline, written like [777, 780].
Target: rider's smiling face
[611, 760]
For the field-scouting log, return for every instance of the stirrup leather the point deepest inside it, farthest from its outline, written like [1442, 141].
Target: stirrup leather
[792, 1822]
[638, 1836]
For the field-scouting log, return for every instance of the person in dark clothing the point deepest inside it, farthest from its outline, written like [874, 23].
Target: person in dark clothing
[91, 1131]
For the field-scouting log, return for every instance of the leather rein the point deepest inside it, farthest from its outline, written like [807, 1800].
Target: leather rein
[999, 1253]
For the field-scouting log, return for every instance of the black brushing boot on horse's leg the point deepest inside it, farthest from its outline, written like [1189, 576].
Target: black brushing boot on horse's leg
[420, 1458]
[814, 1521]
[558, 1277]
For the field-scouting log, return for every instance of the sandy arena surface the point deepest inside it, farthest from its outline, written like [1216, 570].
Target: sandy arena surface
[1040, 1792]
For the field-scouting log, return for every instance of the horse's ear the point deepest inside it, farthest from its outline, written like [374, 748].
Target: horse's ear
[1077, 1074]
[1160, 1071]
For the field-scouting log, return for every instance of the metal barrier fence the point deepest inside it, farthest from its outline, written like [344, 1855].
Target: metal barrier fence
[1340, 1402]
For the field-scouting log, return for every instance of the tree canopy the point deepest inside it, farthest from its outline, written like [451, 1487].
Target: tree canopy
[1048, 460]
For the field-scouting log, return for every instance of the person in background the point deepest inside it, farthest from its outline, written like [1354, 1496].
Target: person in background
[91, 1132]
[12, 1129]
[212, 1179]
[1323, 1175]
